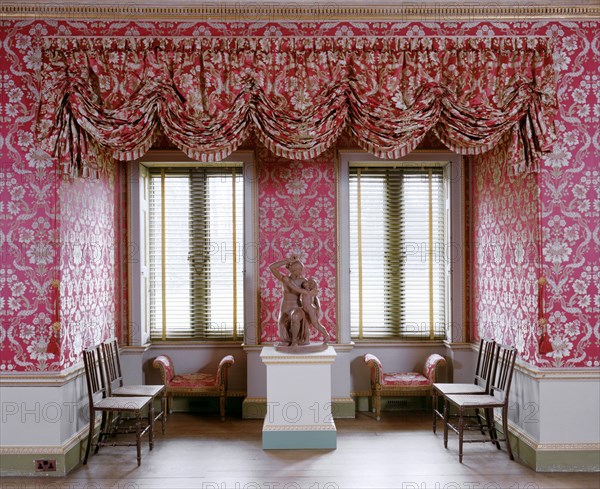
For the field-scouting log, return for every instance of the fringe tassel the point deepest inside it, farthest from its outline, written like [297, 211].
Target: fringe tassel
[545, 346]
[53, 346]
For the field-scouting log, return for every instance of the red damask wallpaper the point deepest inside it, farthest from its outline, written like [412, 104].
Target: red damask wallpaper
[297, 208]
[506, 229]
[88, 244]
[297, 215]
[505, 244]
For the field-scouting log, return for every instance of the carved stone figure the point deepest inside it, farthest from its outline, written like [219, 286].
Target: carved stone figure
[300, 308]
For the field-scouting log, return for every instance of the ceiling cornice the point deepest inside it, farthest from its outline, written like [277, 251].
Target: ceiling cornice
[300, 12]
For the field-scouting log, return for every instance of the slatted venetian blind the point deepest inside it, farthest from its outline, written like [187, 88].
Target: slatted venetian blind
[397, 252]
[196, 250]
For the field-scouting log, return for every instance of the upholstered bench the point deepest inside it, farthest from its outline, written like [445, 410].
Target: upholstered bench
[401, 384]
[198, 384]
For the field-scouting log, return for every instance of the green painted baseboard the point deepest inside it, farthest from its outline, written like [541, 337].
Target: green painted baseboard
[542, 459]
[294, 440]
[25, 464]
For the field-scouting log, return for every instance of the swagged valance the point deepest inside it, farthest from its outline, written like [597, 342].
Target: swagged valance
[116, 95]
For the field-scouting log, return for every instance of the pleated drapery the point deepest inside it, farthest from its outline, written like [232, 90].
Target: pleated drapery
[115, 96]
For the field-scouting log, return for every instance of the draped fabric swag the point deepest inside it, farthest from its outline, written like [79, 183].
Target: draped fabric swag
[116, 95]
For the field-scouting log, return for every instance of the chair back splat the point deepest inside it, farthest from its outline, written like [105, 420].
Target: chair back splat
[116, 386]
[112, 363]
[485, 363]
[503, 371]
[94, 376]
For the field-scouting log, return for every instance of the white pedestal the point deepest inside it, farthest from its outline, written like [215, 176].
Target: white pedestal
[298, 400]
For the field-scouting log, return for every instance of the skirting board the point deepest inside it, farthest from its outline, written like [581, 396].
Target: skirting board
[556, 457]
[20, 461]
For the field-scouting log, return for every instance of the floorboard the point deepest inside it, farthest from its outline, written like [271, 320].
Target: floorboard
[400, 451]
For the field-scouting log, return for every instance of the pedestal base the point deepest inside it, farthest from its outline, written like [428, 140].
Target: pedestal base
[298, 400]
[298, 437]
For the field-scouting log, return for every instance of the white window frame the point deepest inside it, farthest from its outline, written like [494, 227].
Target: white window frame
[138, 241]
[453, 195]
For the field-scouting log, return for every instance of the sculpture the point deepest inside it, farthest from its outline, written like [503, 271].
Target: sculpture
[300, 308]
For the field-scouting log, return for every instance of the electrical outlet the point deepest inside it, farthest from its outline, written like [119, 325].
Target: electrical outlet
[45, 465]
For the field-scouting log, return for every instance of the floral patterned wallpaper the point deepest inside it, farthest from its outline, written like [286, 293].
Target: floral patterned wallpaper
[297, 215]
[571, 203]
[28, 212]
[88, 302]
[296, 206]
[506, 221]
[505, 249]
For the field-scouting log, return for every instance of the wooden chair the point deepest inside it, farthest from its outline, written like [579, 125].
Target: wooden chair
[480, 385]
[401, 384]
[198, 384]
[498, 397]
[99, 401]
[114, 375]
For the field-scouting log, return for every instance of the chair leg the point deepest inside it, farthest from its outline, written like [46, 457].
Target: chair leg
[102, 434]
[151, 421]
[377, 405]
[446, 421]
[505, 428]
[481, 427]
[222, 402]
[106, 423]
[489, 419]
[461, 429]
[90, 436]
[434, 405]
[163, 419]
[138, 436]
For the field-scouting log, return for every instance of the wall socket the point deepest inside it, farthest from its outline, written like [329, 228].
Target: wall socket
[45, 465]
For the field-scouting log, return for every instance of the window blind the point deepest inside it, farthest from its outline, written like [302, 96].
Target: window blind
[397, 247]
[196, 251]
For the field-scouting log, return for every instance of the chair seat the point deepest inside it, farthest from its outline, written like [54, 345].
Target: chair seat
[469, 400]
[404, 379]
[459, 388]
[193, 381]
[138, 390]
[122, 403]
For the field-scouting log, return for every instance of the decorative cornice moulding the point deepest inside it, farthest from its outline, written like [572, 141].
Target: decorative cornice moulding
[425, 10]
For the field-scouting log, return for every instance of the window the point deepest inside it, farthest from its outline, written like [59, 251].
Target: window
[395, 239]
[396, 252]
[196, 250]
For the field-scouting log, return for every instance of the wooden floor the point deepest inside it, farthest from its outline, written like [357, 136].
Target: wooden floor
[400, 451]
